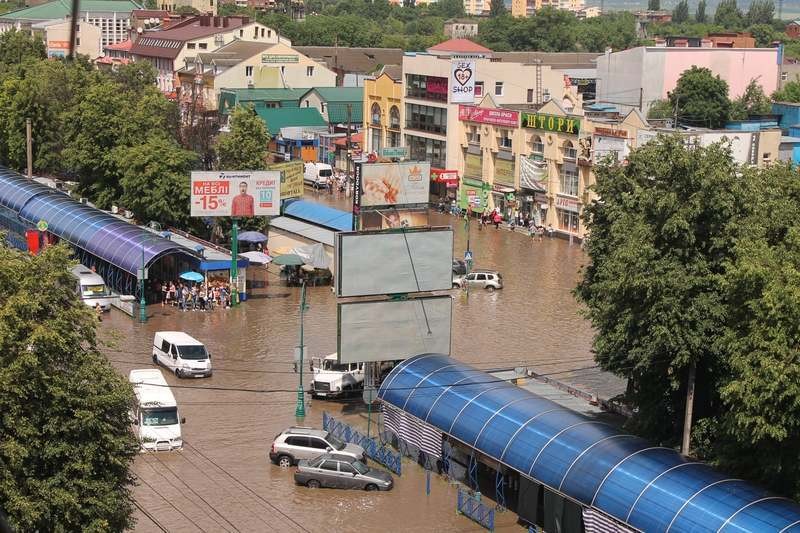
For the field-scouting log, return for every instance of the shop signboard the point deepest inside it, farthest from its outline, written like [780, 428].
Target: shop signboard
[473, 166]
[504, 171]
[448, 177]
[485, 115]
[567, 204]
[541, 121]
[278, 58]
[398, 152]
[235, 194]
[462, 81]
[291, 179]
[436, 85]
[384, 184]
[604, 146]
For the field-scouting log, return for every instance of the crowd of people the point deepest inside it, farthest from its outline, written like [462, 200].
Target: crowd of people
[195, 296]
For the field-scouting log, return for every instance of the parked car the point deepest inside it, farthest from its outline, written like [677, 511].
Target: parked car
[459, 267]
[337, 471]
[298, 443]
[481, 279]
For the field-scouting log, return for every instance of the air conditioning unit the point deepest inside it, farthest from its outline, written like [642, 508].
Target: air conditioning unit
[114, 209]
[84, 200]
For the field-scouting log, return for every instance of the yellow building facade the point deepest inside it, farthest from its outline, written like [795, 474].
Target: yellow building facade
[383, 113]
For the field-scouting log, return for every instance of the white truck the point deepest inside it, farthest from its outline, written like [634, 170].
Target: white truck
[155, 418]
[318, 175]
[333, 379]
[91, 288]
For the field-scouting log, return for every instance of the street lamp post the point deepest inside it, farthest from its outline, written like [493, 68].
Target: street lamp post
[234, 263]
[142, 302]
[300, 410]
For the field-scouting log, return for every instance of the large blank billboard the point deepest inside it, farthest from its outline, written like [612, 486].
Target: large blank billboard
[391, 330]
[373, 263]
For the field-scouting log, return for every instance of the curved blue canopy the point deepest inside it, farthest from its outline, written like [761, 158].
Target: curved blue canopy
[648, 487]
[99, 233]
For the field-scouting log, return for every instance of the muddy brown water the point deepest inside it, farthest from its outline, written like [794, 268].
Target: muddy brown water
[223, 481]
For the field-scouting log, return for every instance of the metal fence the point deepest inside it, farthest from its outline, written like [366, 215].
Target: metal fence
[375, 450]
[471, 506]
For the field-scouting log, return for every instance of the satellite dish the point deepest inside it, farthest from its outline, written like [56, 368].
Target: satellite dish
[139, 30]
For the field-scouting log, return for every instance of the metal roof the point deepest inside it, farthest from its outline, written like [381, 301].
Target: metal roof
[99, 233]
[277, 118]
[648, 487]
[319, 214]
[60, 8]
[304, 229]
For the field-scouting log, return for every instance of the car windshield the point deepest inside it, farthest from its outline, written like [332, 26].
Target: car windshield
[360, 467]
[93, 291]
[334, 441]
[325, 172]
[165, 416]
[335, 366]
[193, 352]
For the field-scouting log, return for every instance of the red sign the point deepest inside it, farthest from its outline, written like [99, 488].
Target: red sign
[608, 132]
[448, 177]
[32, 237]
[484, 115]
[434, 85]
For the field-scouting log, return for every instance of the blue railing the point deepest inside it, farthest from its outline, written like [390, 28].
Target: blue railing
[470, 506]
[375, 451]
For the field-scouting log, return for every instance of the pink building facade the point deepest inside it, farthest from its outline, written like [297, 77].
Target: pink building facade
[647, 74]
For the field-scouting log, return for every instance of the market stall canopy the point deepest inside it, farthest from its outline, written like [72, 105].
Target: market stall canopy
[252, 236]
[288, 259]
[314, 255]
[192, 276]
[257, 257]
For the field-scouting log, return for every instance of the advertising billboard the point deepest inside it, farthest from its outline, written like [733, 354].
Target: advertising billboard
[392, 218]
[486, 115]
[385, 184]
[235, 194]
[462, 82]
[291, 178]
[391, 330]
[373, 263]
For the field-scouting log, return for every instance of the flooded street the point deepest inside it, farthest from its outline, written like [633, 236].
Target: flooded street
[223, 481]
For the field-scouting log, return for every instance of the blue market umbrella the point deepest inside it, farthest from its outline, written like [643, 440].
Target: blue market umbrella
[192, 276]
[252, 236]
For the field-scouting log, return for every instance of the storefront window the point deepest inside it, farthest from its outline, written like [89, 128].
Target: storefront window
[569, 179]
[376, 139]
[567, 220]
[431, 150]
[426, 118]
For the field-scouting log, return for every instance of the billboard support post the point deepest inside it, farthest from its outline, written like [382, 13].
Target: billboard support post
[300, 409]
[142, 301]
[234, 265]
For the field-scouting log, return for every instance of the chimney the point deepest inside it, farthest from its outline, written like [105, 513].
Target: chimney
[205, 20]
[245, 20]
[225, 22]
[216, 22]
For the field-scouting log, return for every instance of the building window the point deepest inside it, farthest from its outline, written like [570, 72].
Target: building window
[203, 46]
[322, 107]
[309, 71]
[248, 71]
[784, 76]
[262, 32]
[431, 150]
[537, 146]
[269, 33]
[426, 118]
[426, 87]
[394, 139]
[190, 46]
[376, 139]
[567, 220]
[530, 95]
[570, 153]
[478, 88]
[77, 41]
[394, 118]
[474, 135]
[504, 141]
[241, 33]
[376, 114]
[498, 88]
[569, 179]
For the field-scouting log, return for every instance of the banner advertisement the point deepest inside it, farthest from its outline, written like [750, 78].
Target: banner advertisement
[485, 115]
[541, 121]
[235, 194]
[394, 218]
[395, 183]
[533, 174]
[291, 178]
[462, 82]
[473, 166]
[503, 171]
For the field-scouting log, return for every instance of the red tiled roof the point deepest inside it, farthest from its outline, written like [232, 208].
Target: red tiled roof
[169, 43]
[123, 46]
[460, 45]
[107, 60]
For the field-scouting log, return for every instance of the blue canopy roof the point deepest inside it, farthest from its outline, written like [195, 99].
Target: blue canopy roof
[99, 233]
[319, 214]
[648, 487]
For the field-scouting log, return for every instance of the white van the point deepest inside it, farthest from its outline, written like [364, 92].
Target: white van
[155, 417]
[318, 175]
[181, 353]
[91, 288]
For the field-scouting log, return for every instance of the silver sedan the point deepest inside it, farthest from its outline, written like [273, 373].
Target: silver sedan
[338, 471]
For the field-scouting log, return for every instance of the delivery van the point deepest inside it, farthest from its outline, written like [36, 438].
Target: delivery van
[182, 354]
[91, 288]
[155, 418]
[318, 175]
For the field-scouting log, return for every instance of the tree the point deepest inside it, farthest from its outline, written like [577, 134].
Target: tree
[789, 93]
[700, 14]
[245, 146]
[753, 101]
[654, 5]
[701, 98]
[764, 34]
[136, 76]
[728, 15]
[681, 12]
[497, 8]
[67, 446]
[187, 10]
[760, 12]
[18, 46]
[661, 109]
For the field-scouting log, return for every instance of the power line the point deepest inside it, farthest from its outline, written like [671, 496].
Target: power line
[150, 516]
[170, 503]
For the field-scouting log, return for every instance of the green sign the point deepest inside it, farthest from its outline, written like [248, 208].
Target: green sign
[42, 225]
[473, 166]
[276, 58]
[540, 121]
[394, 152]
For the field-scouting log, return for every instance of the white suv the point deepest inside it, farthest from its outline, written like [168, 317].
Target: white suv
[298, 443]
[481, 279]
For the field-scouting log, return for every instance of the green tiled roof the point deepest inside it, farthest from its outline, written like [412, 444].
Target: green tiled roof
[337, 112]
[340, 94]
[288, 117]
[61, 8]
[229, 98]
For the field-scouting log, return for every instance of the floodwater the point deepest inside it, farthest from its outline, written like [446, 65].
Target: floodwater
[223, 481]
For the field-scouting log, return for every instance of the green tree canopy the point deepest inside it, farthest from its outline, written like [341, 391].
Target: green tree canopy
[497, 8]
[67, 447]
[654, 5]
[760, 12]
[701, 98]
[18, 46]
[700, 14]
[728, 15]
[752, 102]
[789, 93]
[245, 146]
[681, 12]
[661, 109]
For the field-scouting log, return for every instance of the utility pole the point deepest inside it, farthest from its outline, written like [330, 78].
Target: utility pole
[675, 116]
[687, 419]
[300, 410]
[29, 146]
[234, 263]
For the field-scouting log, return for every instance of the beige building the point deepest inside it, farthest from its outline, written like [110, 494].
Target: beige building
[477, 8]
[241, 64]
[206, 7]
[461, 28]
[383, 113]
[56, 33]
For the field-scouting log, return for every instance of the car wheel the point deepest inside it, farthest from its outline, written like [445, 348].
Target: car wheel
[455, 285]
[371, 487]
[490, 288]
[313, 484]
[155, 359]
[178, 373]
[284, 461]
